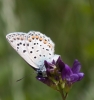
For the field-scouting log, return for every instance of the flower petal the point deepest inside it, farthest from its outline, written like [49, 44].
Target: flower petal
[81, 75]
[76, 66]
[55, 57]
[47, 64]
[66, 72]
[60, 64]
[47, 81]
[44, 80]
[53, 62]
[74, 78]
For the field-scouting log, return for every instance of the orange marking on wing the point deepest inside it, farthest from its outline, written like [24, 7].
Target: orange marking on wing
[40, 39]
[21, 37]
[45, 41]
[36, 37]
[33, 37]
[18, 37]
[14, 38]
[29, 39]
[50, 46]
[24, 38]
[11, 40]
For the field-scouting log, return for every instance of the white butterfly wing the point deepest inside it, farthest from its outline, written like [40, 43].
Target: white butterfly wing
[33, 47]
[18, 41]
[42, 47]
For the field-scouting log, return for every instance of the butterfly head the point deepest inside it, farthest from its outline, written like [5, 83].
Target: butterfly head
[41, 73]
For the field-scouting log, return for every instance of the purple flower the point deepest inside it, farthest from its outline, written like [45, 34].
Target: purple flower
[71, 75]
[55, 67]
[53, 71]
[60, 75]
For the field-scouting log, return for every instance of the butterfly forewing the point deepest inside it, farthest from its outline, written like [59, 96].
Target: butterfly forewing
[18, 41]
[33, 47]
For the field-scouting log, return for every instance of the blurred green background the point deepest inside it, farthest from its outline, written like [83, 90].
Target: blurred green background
[69, 23]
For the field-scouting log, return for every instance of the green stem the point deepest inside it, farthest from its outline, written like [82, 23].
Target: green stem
[62, 92]
[66, 95]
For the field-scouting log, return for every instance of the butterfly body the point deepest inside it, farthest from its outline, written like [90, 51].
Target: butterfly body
[34, 47]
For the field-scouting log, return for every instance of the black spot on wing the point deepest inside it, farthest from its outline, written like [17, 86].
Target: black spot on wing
[47, 49]
[24, 44]
[49, 53]
[20, 43]
[35, 57]
[34, 43]
[11, 41]
[31, 51]
[27, 44]
[24, 51]
[17, 47]
[37, 51]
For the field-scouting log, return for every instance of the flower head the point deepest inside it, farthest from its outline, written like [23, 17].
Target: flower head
[53, 71]
[72, 75]
[60, 75]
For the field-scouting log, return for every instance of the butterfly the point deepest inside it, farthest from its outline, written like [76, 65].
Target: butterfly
[34, 47]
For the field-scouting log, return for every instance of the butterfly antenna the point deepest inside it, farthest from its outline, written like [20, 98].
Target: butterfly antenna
[20, 79]
[24, 77]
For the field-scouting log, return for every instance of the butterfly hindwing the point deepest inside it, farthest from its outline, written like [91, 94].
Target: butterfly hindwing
[42, 47]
